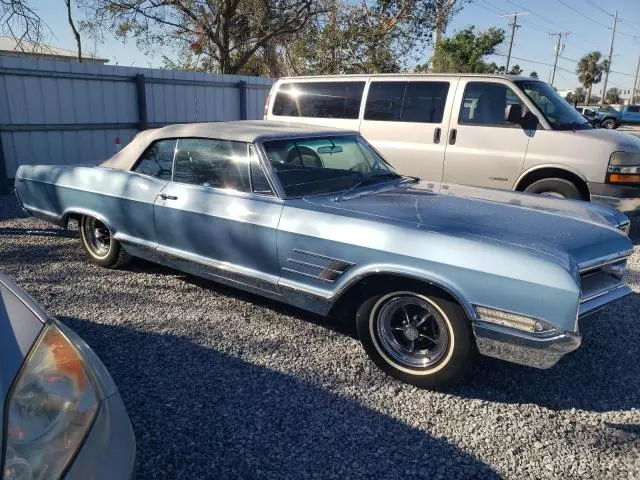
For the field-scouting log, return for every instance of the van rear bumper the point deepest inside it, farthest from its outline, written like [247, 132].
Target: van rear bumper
[624, 198]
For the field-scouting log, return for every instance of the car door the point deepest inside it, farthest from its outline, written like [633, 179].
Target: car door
[407, 122]
[631, 114]
[219, 215]
[482, 148]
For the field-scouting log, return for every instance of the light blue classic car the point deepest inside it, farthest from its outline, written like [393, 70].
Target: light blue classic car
[315, 217]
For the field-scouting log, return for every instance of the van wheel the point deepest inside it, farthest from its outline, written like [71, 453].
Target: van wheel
[103, 249]
[608, 123]
[555, 187]
[424, 340]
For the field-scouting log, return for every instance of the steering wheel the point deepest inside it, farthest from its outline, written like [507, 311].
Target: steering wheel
[296, 156]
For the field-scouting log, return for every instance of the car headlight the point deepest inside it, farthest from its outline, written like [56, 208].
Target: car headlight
[50, 408]
[624, 167]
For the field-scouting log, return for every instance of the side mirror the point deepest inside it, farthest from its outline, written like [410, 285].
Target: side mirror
[513, 113]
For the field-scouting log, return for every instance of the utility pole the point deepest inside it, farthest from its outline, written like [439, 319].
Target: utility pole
[606, 73]
[558, 48]
[513, 25]
[635, 83]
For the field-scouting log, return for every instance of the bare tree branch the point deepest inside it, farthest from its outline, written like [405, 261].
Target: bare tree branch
[21, 22]
[74, 29]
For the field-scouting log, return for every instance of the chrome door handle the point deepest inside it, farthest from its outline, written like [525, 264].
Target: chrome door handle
[164, 196]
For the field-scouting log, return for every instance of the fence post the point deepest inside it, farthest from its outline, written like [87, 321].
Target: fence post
[141, 94]
[244, 114]
[4, 179]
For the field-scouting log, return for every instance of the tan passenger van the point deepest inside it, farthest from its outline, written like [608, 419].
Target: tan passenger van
[496, 131]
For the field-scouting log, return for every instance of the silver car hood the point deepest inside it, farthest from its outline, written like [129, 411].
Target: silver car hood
[566, 230]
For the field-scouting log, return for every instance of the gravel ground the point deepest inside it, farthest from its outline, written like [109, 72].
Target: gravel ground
[222, 384]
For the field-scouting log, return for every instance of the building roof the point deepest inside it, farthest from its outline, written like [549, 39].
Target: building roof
[9, 45]
[248, 131]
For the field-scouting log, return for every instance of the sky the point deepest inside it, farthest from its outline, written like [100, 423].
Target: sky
[589, 22]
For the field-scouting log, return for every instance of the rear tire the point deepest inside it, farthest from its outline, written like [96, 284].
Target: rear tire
[555, 187]
[103, 249]
[418, 337]
[608, 123]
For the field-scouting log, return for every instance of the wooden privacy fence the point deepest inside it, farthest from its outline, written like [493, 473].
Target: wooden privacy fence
[56, 112]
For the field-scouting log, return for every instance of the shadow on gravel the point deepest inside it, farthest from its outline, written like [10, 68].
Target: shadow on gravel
[602, 375]
[219, 417]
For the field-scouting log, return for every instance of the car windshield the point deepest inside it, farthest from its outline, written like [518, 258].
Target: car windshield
[323, 165]
[558, 112]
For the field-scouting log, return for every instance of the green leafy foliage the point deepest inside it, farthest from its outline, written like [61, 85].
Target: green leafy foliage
[465, 51]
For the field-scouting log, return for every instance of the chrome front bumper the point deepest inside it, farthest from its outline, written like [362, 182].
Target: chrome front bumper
[534, 350]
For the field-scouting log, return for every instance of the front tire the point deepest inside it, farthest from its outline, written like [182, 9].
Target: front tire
[421, 339]
[555, 187]
[103, 249]
[608, 123]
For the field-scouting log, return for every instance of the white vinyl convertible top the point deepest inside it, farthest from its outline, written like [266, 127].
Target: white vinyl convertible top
[248, 131]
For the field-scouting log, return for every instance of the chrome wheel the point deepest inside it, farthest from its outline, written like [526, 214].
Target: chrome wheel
[412, 331]
[97, 237]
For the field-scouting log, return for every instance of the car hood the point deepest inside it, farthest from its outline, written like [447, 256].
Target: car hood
[572, 232]
[620, 141]
[21, 321]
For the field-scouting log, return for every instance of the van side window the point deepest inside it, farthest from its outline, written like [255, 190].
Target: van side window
[420, 102]
[319, 99]
[157, 159]
[484, 103]
[633, 109]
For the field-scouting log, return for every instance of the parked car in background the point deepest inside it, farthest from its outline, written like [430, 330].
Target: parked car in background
[610, 118]
[589, 114]
[496, 131]
[316, 218]
[63, 415]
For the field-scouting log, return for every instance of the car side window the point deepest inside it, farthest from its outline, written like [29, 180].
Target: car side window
[157, 160]
[259, 182]
[419, 102]
[484, 104]
[319, 99]
[212, 163]
[633, 109]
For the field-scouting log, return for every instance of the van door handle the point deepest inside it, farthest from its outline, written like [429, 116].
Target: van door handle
[436, 135]
[164, 196]
[453, 134]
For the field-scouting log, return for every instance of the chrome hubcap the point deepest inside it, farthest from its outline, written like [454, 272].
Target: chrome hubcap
[412, 331]
[98, 237]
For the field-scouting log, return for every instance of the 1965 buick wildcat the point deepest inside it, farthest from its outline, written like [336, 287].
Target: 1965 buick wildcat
[316, 218]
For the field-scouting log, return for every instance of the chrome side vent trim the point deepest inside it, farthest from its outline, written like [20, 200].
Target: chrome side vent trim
[316, 265]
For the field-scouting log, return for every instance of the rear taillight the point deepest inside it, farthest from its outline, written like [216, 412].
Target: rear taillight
[266, 107]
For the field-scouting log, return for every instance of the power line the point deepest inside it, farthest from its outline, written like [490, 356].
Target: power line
[593, 4]
[582, 14]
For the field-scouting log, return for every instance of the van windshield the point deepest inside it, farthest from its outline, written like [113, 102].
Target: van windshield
[557, 111]
[308, 166]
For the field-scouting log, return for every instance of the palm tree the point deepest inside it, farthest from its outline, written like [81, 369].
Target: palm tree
[590, 70]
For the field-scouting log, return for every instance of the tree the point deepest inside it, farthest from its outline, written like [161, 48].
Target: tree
[577, 96]
[20, 21]
[589, 70]
[444, 10]
[366, 37]
[464, 52]
[515, 70]
[220, 35]
[76, 34]
[534, 74]
[612, 96]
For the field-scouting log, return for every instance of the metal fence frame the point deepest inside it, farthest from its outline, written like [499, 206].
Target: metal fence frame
[139, 80]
